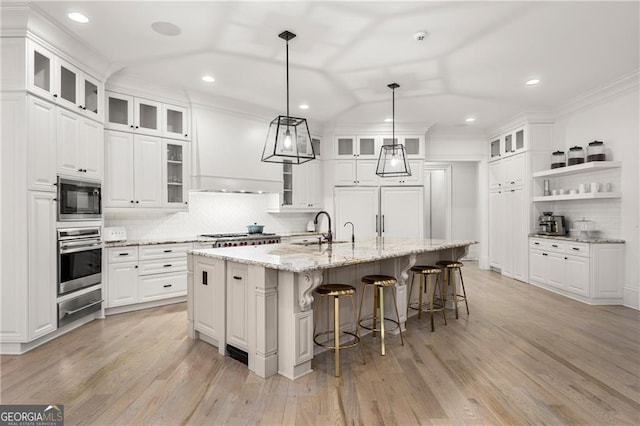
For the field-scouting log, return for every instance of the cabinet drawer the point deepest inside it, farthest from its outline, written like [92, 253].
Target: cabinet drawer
[122, 254]
[556, 246]
[160, 266]
[163, 286]
[156, 251]
[578, 249]
[537, 244]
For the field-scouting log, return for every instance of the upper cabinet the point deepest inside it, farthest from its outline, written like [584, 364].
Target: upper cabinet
[60, 81]
[366, 147]
[144, 116]
[509, 143]
[413, 145]
[79, 146]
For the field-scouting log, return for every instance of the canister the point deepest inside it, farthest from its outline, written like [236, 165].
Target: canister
[576, 156]
[558, 160]
[595, 151]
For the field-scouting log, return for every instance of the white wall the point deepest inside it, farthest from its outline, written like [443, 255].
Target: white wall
[615, 121]
[465, 211]
[209, 212]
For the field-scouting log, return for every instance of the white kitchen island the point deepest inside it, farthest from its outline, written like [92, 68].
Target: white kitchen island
[259, 299]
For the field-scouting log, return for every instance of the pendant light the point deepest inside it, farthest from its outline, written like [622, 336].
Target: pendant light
[393, 159]
[288, 139]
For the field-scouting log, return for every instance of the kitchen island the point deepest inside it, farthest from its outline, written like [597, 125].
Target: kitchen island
[256, 301]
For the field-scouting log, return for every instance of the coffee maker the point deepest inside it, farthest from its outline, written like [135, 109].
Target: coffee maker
[551, 224]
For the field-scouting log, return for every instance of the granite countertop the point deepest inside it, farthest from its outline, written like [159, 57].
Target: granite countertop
[129, 243]
[303, 258]
[580, 239]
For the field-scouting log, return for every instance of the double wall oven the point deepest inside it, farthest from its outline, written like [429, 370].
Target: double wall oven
[79, 249]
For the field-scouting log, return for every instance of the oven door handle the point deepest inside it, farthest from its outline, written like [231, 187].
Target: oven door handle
[75, 311]
[64, 249]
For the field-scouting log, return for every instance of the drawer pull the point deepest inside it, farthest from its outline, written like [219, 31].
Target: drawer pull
[544, 254]
[554, 245]
[168, 251]
[167, 266]
[575, 248]
[204, 278]
[167, 285]
[537, 244]
[235, 277]
[123, 254]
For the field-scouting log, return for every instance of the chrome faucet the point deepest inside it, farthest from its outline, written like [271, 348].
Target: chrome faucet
[353, 237]
[328, 235]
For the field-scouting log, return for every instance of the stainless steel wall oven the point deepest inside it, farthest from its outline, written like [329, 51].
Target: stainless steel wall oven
[79, 268]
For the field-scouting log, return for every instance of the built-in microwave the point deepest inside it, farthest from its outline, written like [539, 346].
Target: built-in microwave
[79, 200]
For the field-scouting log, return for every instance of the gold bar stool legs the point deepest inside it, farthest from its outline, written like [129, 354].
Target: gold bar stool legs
[335, 291]
[377, 283]
[427, 286]
[449, 268]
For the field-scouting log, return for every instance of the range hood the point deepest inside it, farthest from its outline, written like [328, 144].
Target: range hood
[226, 149]
[239, 185]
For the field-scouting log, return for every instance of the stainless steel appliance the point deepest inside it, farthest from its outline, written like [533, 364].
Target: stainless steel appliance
[551, 224]
[79, 259]
[79, 200]
[234, 240]
[79, 273]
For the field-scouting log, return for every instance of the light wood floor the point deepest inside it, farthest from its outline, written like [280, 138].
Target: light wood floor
[523, 356]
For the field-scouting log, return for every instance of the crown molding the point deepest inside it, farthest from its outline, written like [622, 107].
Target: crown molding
[619, 87]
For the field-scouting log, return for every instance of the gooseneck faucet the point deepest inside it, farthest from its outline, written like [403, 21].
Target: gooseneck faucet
[329, 235]
[353, 237]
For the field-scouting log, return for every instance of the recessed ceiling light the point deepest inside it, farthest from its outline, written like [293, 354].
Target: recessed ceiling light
[208, 79]
[388, 120]
[78, 17]
[532, 82]
[303, 106]
[420, 35]
[470, 119]
[166, 28]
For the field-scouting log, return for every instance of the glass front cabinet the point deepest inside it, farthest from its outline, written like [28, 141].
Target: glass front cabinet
[176, 173]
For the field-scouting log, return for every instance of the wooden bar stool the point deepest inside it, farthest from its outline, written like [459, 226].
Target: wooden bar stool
[378, 283]
[335, 291]
[427, 286]
[449, 268]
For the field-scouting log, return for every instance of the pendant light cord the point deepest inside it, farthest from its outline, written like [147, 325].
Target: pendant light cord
[393, 119]
[287, 84]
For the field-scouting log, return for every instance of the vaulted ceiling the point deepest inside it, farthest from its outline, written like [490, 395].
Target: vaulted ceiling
[473, 62]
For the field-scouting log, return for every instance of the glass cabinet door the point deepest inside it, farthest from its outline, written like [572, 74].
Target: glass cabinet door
[367, 147]
[147, 117]
[41, 70]
[345, 146]
[92, 97]
[315, 143]
[175, 173]
[287, 184]
[495, 148]
[508, 144]
[68, 76]
[119, 112]
[176, 122]
[520, 140]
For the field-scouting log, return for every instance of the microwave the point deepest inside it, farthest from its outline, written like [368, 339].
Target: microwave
[79, 200]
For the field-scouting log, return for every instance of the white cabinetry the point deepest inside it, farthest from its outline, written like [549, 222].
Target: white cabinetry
[237, 306]
[591, 273]
[209, 299]
[80, 146]
[416, 178]
[43, 314]
[496, 228]
[358, 205]
[402, 212]
[60, 81]
[413, 145]
[514, 259]
[355, 172]
[148, 117]
[143, 276]
[301, 187]
[41, 144]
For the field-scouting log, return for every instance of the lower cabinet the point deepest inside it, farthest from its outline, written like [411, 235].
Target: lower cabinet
[237, 306]
[149, 273]
[590, 273]
[209, 298]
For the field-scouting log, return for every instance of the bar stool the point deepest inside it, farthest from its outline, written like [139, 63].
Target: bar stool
[427, 286]
[449, 268]
[335, 291]
[378, 283]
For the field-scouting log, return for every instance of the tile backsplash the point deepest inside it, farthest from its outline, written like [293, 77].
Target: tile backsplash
[209, 212]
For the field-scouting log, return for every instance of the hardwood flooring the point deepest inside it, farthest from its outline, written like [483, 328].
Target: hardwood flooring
[523, 356]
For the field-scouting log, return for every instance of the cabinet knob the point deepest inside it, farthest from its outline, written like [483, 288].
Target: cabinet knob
[136, 267]
[186, 202]
[131, 125]
[137, 127]
[55, 95]
[185, 135]
[80, 106]
[137, 202]
[131, 201]
[565, 258]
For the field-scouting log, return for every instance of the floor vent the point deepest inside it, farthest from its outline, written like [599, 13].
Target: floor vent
[238, 354]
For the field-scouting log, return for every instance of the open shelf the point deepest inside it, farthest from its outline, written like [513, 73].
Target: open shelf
[587, 196]
[579, 168]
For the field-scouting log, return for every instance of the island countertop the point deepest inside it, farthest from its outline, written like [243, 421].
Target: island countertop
[304, 258]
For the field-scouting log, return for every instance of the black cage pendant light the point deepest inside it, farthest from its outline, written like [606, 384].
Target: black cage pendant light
[393, 159]
[288, 139]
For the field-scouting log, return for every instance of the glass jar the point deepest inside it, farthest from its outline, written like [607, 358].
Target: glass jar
[558, 160]
[576, 156]
[595, 151]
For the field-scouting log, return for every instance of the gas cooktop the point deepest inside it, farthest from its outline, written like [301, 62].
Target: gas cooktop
[245, 235]
[232, 240]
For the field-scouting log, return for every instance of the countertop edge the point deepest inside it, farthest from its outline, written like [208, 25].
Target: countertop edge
[578, 239]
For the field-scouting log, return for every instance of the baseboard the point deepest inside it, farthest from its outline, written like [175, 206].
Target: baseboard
[631, 298]
[146, 305]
